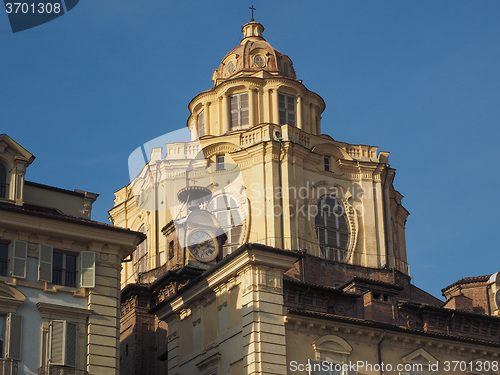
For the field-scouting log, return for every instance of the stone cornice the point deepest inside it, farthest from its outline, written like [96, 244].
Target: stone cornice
[24, 222]
[249, 255]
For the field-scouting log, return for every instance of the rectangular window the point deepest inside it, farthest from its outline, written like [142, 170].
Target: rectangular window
[220, 163]
[327, 163]
[170, 249]
[2, 334]
[4, 259]
[287, 109]
[238, 104]
[13, 331]
[201, 124]
[64, 269]
[63, 343]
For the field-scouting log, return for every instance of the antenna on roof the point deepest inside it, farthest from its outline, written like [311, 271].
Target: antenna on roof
[252, 8]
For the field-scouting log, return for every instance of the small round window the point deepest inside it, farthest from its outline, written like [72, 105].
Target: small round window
[231, 68]
[259, 61]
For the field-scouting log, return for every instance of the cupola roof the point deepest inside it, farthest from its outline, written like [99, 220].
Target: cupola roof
[254, 56]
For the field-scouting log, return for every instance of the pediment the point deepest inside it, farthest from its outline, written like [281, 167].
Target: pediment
[218, 149]
[14, 150]
[10, 298]
[333, 344]
[331, 150]
[419, 356]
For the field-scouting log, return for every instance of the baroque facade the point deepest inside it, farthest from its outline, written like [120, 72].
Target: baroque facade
[273, 247]
[59, 276]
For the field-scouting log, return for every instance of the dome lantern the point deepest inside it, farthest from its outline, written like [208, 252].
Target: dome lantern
[253, 57]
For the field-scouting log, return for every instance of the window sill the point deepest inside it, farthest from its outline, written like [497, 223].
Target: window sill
[45, 286]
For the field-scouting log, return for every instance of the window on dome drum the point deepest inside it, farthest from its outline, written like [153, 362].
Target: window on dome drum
[327, 163]
[332, 229]
[201, 124]
[287, 109]
[4, 186]
[220, 163]
[64, 269]
[238, 104]
[4, 259]
[141, 254]
[225, 208]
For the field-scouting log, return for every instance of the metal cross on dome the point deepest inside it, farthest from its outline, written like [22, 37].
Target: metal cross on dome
[252, 8]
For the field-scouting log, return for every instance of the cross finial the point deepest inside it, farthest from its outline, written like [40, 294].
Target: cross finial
[252, 8]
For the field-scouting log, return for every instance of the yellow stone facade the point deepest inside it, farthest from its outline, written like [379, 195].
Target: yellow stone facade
[359, 176]
[283, 293]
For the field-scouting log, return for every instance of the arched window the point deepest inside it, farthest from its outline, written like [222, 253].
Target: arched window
[225, 208]
[141, 254]
[332, 229]
[4, 185]
[332, 356]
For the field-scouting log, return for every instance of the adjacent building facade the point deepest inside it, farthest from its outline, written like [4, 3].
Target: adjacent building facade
[275, 249]
[59, 276]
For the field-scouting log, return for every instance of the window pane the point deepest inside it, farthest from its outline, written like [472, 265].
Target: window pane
[239, 109]
[70, 270]
[282, 117]
[244, 101]
[331, 228]
[2, 334]
[201, 123]
[57, 268]
[4, 259]
[3, 181]
[244, 117]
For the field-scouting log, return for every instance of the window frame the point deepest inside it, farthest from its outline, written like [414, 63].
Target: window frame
[171, 251]
[237, 115]
[201, 124]
[138, 256]
[225, 214]
[4, 181]
[286, 114]
[4, 261]
[332, 349]
[3, 326]
[75, 315]
[220, 162]
[327, 164]
[64, 269]
[325, 232]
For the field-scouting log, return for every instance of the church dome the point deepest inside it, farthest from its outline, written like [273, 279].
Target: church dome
[253, 57]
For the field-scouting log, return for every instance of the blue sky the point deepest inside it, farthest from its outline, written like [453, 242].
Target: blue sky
[418, 78]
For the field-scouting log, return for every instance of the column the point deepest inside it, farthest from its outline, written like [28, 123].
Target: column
[275, 107]
[263, 324]
[314, 129]
[267, 106]
[299, 112]
[194, 130]
[206, 117]
[251, 107]
[226, 120]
